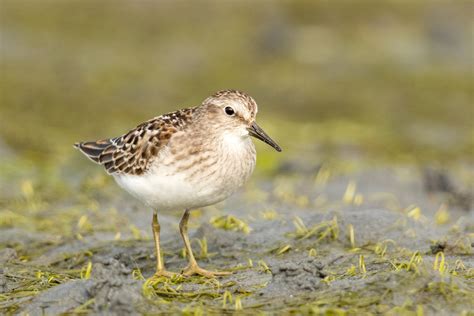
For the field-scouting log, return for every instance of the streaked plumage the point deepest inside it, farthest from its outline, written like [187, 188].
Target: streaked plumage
[133, 152]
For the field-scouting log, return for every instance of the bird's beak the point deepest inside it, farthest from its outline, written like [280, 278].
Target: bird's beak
[257, 132]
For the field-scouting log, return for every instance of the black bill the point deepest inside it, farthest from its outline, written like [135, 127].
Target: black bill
[257, 132]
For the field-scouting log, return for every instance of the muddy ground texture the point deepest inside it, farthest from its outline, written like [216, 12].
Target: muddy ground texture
[308, 238]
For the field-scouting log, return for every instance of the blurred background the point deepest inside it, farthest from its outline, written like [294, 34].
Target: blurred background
[371, 79]
[371, 101]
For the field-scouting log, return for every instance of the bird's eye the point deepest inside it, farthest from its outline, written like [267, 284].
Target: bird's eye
[229, 111]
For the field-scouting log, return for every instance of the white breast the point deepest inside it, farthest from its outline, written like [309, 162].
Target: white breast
[165, 188]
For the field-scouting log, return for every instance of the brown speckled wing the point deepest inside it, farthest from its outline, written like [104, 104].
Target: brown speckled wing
[134, 152]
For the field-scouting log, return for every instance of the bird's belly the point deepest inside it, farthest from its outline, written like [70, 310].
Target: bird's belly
[173, 192]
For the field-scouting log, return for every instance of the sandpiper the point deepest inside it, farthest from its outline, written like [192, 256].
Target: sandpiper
[183, 160]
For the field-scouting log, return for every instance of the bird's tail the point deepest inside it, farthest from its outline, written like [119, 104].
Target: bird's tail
[93, 149]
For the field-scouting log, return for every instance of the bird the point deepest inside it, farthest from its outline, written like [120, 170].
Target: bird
[183, 160]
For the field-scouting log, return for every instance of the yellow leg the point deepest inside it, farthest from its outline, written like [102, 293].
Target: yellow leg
[160, 267]
[193, 267]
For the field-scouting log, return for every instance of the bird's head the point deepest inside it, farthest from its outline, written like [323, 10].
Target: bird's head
[235, 112]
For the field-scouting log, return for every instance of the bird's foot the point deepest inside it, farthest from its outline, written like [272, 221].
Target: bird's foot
[194, 269]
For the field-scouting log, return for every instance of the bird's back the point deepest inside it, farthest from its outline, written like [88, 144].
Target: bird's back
[134, 152]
